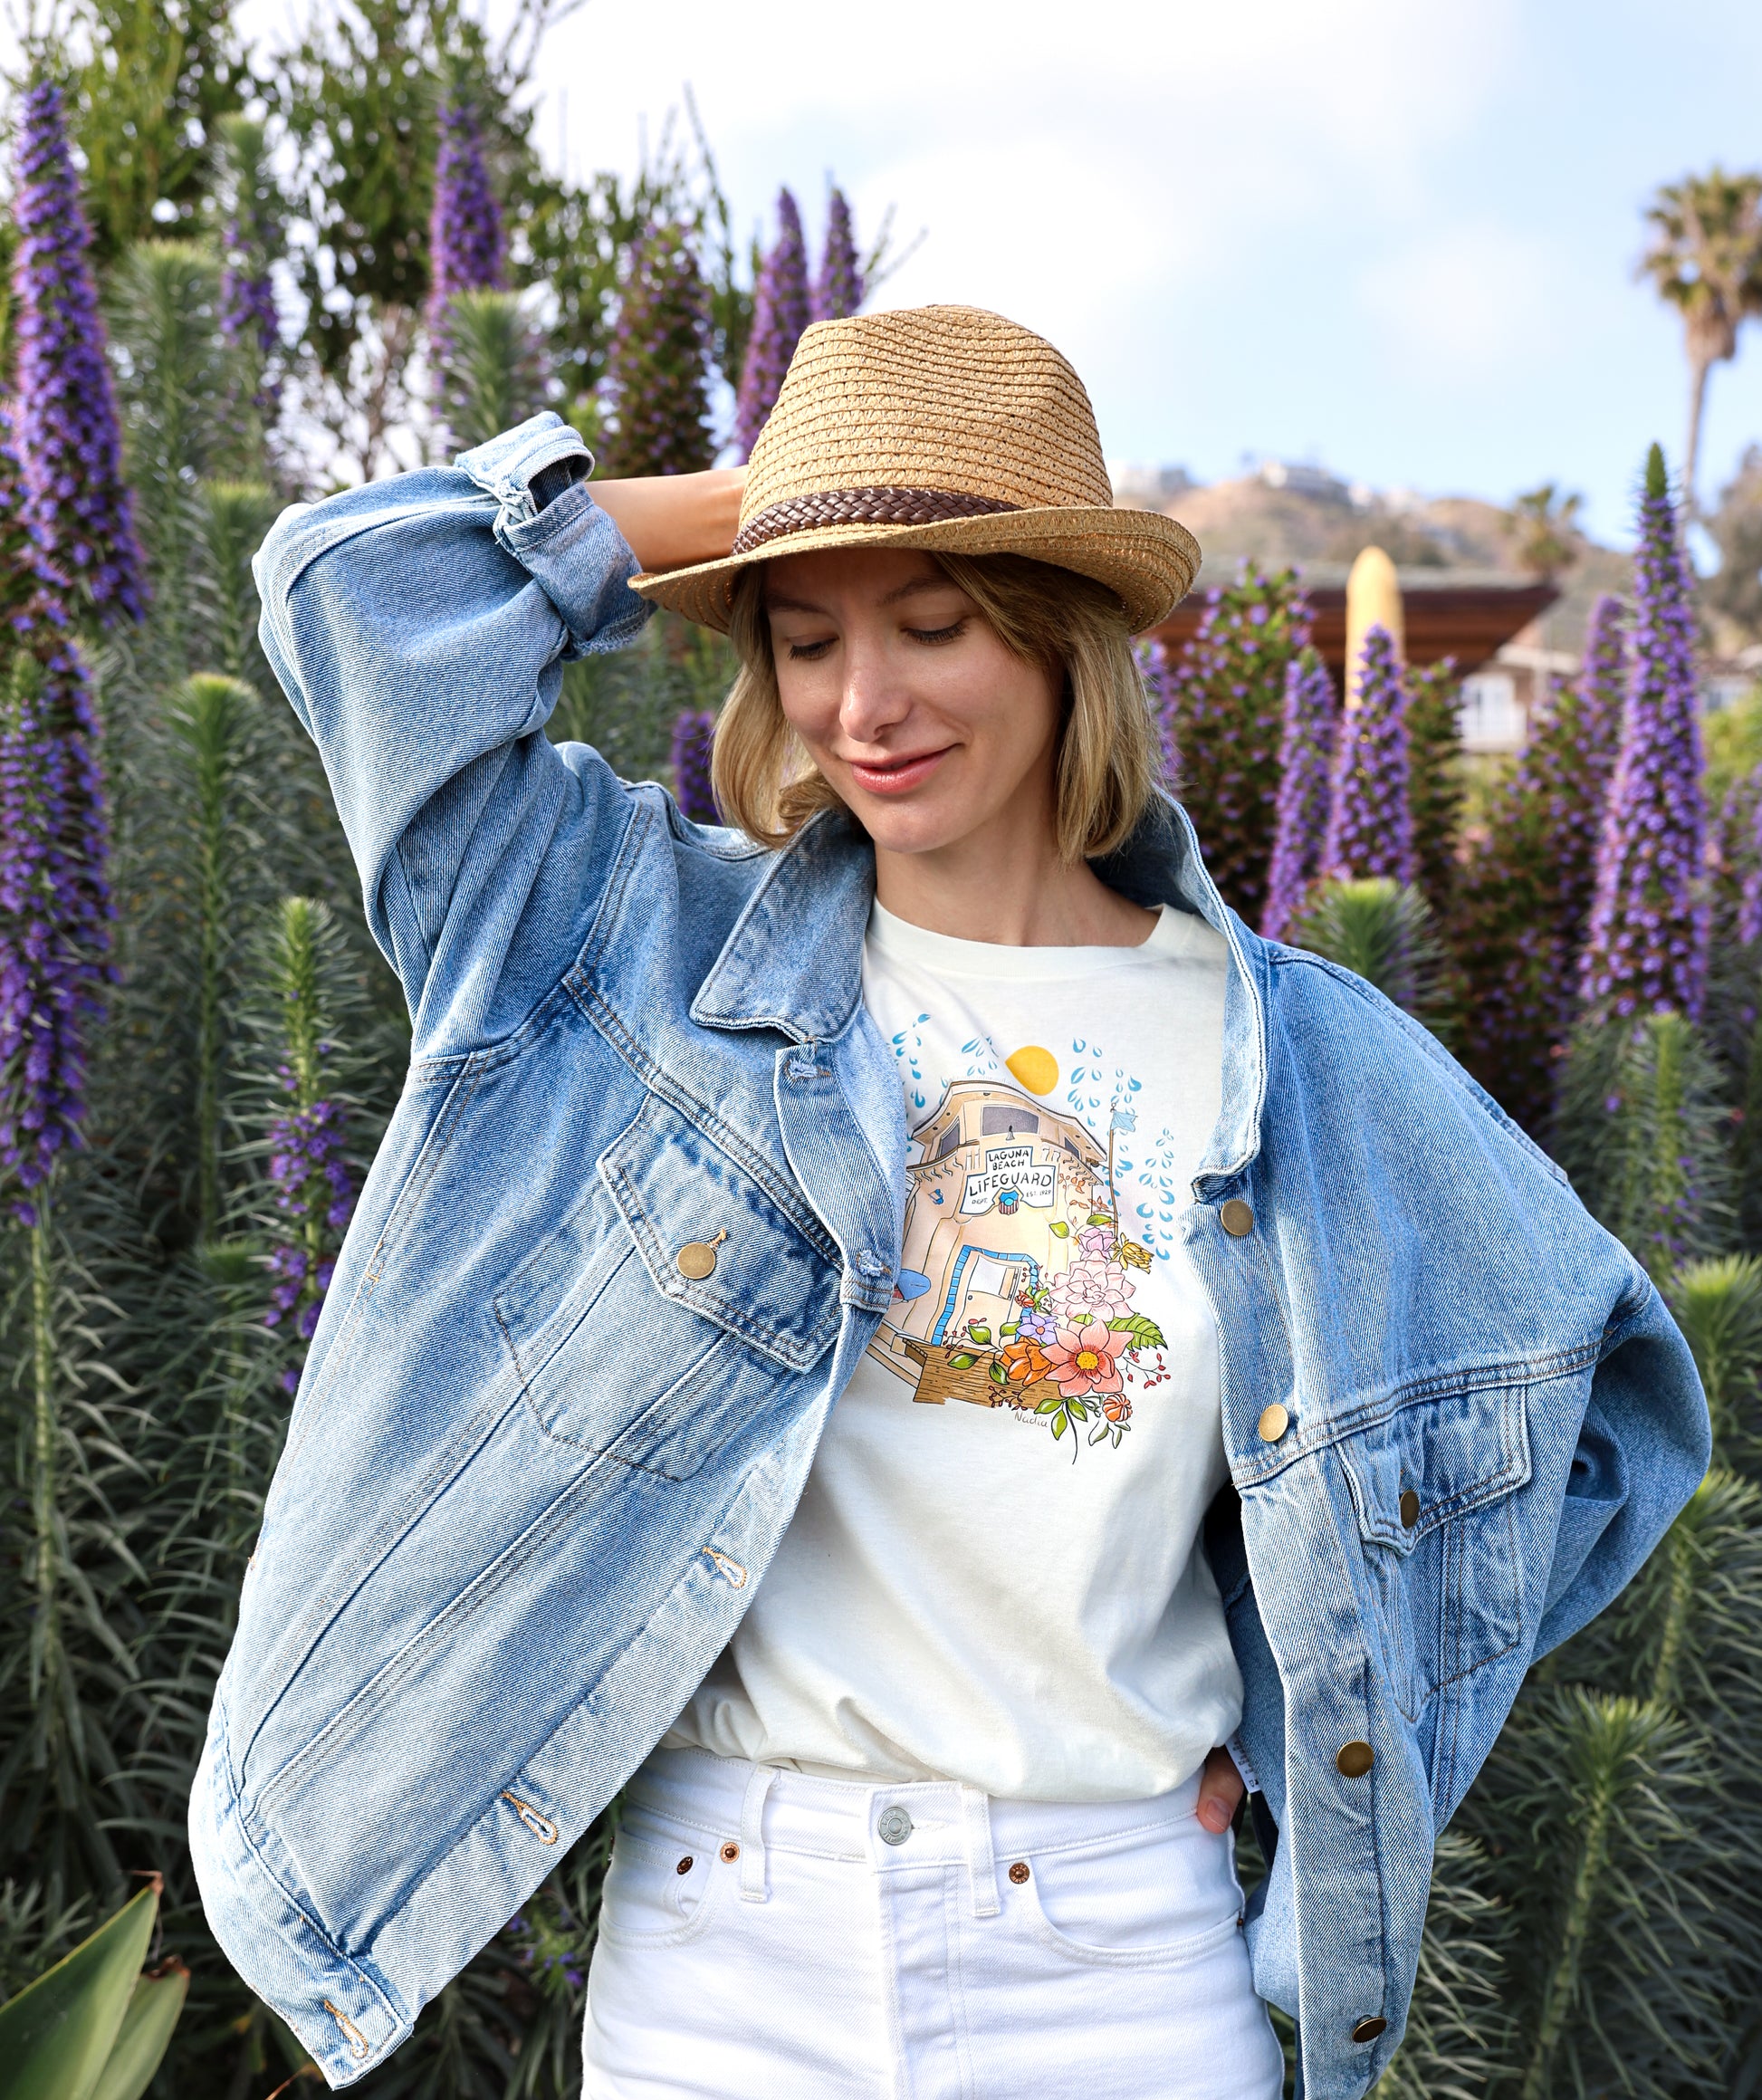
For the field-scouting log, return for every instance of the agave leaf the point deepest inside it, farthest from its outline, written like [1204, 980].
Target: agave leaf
[57, 2035]
[146, 2031]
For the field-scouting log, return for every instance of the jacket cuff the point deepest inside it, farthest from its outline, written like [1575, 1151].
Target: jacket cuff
[570, 549]
[505, 467]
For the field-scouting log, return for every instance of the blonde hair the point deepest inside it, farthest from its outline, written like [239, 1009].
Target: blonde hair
[1073, 629]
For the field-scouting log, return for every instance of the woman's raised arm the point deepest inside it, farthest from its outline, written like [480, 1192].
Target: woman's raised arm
[419, 627]
[672, 521]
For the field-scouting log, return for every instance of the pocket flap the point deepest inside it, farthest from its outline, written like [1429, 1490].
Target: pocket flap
[675, 1189]
[1455, 1451]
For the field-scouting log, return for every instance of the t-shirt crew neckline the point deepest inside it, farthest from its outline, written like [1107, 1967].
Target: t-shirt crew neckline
[1175, 934]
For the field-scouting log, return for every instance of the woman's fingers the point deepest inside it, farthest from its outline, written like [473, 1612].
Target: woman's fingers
[1221, 1791]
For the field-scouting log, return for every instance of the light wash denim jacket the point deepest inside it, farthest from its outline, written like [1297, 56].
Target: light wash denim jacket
[534, 1474]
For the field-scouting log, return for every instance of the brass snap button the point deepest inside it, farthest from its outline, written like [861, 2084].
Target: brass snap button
[697, 1258]
[1019, 1872]
[684, 1865]
[1410, 1507]
[1367, 2030]
[731, 1852]
[1355, 1758]
[894, 1826]
[1274, 1422]
[1237, 1218]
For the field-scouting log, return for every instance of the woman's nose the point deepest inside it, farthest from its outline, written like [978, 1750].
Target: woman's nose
[873, 700]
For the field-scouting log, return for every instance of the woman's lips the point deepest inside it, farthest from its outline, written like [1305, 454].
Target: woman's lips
[898, 775]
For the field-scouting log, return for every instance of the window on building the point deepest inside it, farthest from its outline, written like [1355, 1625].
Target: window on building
[1491, 719]
[997, 1122]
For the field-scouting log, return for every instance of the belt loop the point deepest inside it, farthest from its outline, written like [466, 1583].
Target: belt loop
[982, 1865]
[752, 1839]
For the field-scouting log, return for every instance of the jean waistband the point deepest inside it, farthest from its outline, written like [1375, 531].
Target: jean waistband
[896, 1827]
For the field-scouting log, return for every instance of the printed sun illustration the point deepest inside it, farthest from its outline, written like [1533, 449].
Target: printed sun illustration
[1016, 1284]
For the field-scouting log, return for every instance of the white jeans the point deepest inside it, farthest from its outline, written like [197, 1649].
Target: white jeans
[771, 1937]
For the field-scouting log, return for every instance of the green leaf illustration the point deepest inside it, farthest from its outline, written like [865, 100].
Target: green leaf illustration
[1059, 1230]
[1058, 1427]
[1145, 1333]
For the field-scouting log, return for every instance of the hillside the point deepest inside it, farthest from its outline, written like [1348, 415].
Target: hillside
[1320, 528]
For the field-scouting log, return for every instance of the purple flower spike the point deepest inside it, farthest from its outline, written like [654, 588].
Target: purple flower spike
[780, 313]
[1524, 894]
[1648, 942]
[1370, 828]
[1305, 790]
[251, 236]
[76, 508]
[464, 227]
[1222, 711]
[1749, 894]
[55, 911]
[840, 289]
[657, 368]
[693, 733]
[315, 1193]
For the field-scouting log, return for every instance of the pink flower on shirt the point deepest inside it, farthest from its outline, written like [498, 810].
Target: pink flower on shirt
[1086, 1360]
[1091, 1290]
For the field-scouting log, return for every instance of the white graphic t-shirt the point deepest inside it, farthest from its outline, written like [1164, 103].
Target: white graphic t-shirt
[994, 1573]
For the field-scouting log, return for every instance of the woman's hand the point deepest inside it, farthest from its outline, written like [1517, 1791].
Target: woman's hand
[1221, 1791]
[670, 521]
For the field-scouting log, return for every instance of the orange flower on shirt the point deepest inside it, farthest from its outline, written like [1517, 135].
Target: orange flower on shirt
[1025, 1362]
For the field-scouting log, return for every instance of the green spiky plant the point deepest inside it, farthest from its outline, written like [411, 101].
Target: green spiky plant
[1383, 932]
[495, 366]
[1644, 1129]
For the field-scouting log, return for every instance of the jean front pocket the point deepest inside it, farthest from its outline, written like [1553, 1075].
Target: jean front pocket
[661, 1887]
[1149, 1898]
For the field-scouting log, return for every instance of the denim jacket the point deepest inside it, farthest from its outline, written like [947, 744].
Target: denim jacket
[534, 1473]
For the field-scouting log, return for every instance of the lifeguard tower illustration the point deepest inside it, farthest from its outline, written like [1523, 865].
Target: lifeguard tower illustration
[999, 1185]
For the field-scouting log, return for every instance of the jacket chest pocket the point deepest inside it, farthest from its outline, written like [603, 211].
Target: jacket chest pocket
[1433, 1487]
[667, 1312]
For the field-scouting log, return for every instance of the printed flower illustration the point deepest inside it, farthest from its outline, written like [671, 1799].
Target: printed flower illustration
[1091, 1290]
[1086, 1360]
[1037, 1323]
[1025, 1363]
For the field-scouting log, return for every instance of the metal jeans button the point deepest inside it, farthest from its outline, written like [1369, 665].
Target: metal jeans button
[893, 1825]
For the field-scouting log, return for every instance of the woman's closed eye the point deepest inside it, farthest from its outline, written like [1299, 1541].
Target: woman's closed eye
[931, 636]
[809, 652]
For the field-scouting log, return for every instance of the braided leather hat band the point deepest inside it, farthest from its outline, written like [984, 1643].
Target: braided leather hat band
[863, 507]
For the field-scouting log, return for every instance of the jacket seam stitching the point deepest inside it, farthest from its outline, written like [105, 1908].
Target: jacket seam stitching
[662, 1086]
[1282, 957]
[1534, 1371]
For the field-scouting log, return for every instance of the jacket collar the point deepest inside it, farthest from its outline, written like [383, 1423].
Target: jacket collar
[793, 960]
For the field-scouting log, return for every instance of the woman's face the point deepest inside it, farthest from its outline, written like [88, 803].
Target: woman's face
[908, 702]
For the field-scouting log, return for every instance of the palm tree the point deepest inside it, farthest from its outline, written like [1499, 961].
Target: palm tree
[1706, 260]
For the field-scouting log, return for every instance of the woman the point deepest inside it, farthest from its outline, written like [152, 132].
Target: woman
[903, 1325]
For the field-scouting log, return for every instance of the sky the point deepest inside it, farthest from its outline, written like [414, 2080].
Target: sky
[1396, 237]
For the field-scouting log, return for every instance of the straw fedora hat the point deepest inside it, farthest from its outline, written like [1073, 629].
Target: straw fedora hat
[943, 427]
